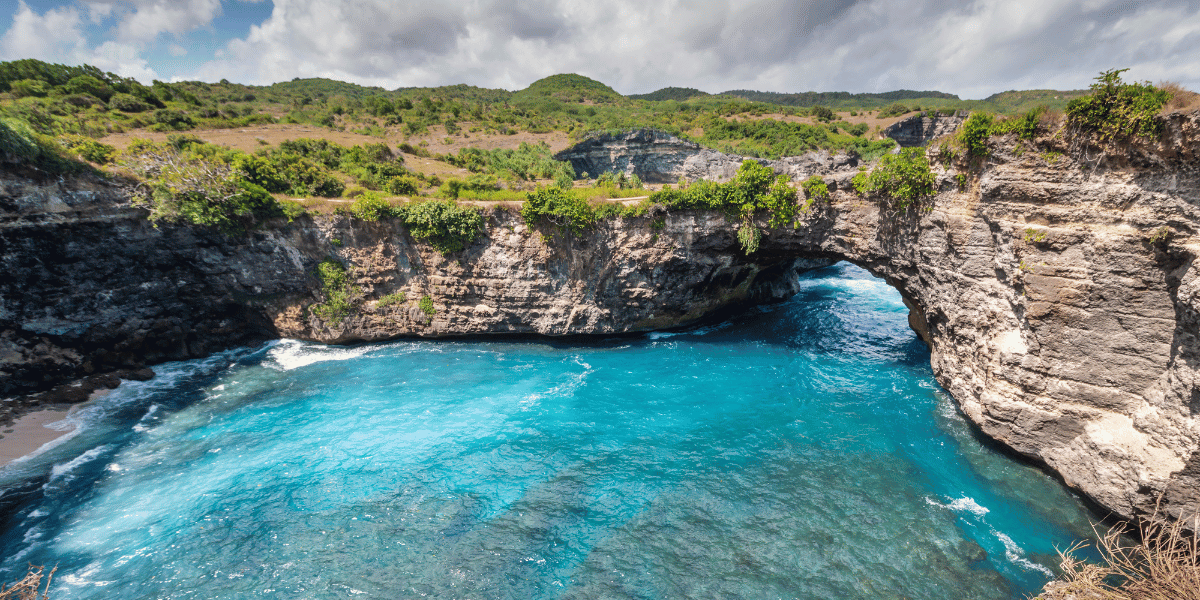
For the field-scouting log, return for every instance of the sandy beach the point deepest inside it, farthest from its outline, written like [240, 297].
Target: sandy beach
[28, 434]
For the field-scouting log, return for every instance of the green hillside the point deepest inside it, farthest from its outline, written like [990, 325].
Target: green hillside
[679, 94]
[571, 88]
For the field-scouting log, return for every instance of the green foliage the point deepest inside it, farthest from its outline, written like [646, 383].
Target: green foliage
[404, 185]
[88, 149]
[442, 224]
[337, 290]
[558, 207]
[754, 189]
[569, 88]
[982, 125]
[19, 143]
[822, 113]
[186, 182]
[452, 188]
[1116, 110]
[975, 132]
[861, 182]
[426, 306]
[391, 299]
[816, 188]
[17, 140]
[371, 207]
[670, 93]
[1035, 236]
[893, 110]
[171, 119]
[749, 236]
[1161, 234]
[26, 88]
[768, 138]
[904, 178]
[128, 103]
[526, 162]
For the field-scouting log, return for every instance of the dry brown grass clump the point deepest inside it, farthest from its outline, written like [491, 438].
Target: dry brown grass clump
[28, 587]
[1163, 565]
[1181, 98]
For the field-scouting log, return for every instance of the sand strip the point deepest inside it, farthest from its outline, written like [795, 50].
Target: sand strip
[29, 433]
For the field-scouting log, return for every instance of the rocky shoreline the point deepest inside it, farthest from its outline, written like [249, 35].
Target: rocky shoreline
[1053, 283]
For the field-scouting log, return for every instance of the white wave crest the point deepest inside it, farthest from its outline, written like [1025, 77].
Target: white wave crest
[1015, 555]
[64, 469]
[964, 504]
[294, 354]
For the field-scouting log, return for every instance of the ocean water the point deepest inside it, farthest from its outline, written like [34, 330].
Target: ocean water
[800, 450]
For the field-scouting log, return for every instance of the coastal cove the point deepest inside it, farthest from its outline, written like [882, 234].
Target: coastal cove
[1059, 315]
[801, 448]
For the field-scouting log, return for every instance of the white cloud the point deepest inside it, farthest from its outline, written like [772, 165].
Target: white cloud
[58, 36]
[54, 36]
[177, 50]
[969, 47]
[152, 17]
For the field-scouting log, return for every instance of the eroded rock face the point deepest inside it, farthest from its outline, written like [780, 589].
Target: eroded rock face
[658, 157]
[917, 130]
[1061, 314]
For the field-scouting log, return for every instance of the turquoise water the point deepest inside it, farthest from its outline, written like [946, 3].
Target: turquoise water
[801, 450]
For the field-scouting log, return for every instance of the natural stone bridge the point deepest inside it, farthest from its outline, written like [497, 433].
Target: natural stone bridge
[1061, 314]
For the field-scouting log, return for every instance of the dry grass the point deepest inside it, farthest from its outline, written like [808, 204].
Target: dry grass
[1181, 98]
[28, 587]
[1163, 565]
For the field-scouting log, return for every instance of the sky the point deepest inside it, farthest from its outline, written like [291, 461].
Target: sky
[972, 48]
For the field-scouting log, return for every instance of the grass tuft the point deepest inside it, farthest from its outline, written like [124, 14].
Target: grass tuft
[1164, 564]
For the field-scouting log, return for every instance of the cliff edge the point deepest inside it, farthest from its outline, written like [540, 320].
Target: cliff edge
[1053, 281]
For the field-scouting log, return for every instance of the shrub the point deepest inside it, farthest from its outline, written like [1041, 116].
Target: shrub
[975, 132]
[24, 88]
[371, 207]
[260, 171]
[189, 188]
[426, 305]
[128, 103]
[1164, 564]
[904, 178]
[337, 291]
[88, 149]
[169, 118]
[558, 207]
[1181, 98]
[391, 299]
[822, 113]
[816, 188]
[405, 185]
[893, 110]
[1116, 110]
[442, 224]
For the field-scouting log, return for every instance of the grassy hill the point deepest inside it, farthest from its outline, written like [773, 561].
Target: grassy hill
[570, 88]
[679, 94]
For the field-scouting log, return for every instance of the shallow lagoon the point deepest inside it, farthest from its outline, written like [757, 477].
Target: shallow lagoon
[800, 450]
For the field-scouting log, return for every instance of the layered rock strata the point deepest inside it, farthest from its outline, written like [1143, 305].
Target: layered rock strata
[658, 157]
[1054, 284]
[918, 130]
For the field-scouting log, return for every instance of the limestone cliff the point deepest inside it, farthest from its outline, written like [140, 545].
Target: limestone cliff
[1056, 289]
[919, 129]
[658, 157]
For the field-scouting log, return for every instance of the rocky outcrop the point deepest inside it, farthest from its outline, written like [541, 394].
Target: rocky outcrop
[918, 130]
[1055, 285]
[658, 157]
